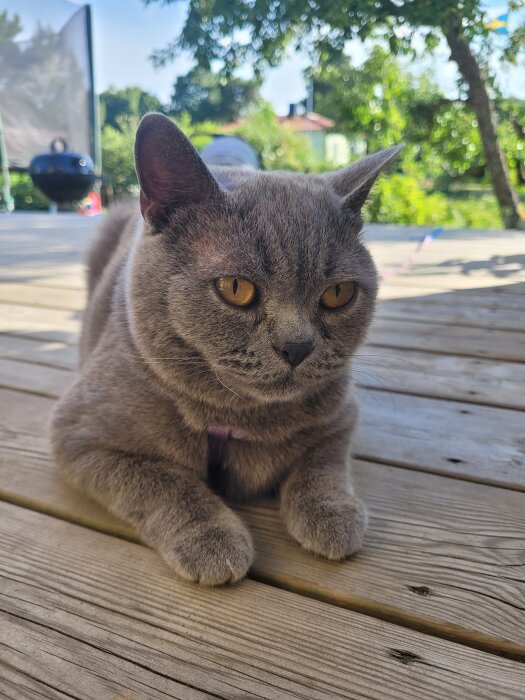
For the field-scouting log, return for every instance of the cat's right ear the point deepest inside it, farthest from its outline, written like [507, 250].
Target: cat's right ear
[170, 172]
[355, 181]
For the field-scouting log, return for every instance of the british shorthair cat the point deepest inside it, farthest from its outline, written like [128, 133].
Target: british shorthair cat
[216, 353]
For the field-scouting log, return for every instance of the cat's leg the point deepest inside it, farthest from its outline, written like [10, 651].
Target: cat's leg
[318, 504]
[171, 508]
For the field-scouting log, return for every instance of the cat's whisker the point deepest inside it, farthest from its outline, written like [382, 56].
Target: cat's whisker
[387, 358]
[375, 377]
[227, 387]
[392, 375]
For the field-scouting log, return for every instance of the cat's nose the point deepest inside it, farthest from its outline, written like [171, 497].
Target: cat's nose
[295, 353]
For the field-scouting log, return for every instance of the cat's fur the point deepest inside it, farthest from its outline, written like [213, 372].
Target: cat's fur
[163, 357]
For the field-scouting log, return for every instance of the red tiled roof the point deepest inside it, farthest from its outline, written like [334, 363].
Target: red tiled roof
[309, 121]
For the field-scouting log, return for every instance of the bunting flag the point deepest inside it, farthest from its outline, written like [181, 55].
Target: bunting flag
[499, 24]
[407, 262]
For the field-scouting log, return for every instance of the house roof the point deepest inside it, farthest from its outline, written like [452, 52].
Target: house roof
[309, 121]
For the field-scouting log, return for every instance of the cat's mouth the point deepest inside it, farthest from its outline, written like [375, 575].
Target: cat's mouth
[287, 386]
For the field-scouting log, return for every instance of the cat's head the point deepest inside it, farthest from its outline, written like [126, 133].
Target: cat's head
[263, 275]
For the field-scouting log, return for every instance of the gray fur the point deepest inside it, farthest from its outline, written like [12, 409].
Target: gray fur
[163, 356]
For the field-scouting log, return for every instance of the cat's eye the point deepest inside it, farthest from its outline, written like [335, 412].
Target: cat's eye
[236, 290]
[338, 295]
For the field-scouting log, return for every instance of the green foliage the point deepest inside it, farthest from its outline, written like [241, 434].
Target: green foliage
[205, 95]
[236, 32]
[277, 146]
[10, 27]
[400, 199]
[382, 103]
[119, 108]
[118, 162]
[26, 196]
[370, 102]
[200, 133]
[118, 158]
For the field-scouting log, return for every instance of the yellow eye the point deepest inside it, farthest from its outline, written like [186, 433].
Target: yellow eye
[236, 290]
[338, 295]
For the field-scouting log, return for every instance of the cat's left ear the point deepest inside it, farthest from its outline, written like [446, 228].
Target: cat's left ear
[355, 182]
[170, 172]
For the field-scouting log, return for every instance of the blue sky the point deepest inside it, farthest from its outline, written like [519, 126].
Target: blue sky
[126, 32]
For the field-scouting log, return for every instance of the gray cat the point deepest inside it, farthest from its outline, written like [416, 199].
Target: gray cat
[215, 356]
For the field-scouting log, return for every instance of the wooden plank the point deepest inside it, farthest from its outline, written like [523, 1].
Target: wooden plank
[462, 315]
[463, 542]
[40, 352]
[468, 441]
[438, 436]
[68, 277]
[44, 324]
[41, 296]
[484, 298]
[450, 340]
[47, 381]
[473, 380]
[425, 278]
[59, 666]
[124, 602]
[64, 326]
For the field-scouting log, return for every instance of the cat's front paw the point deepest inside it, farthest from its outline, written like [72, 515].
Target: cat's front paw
[333, 526]
[211, 553]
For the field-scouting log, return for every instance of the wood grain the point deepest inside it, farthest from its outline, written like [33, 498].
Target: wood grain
[463, 542]
[468, 379]
[443, 437]
[448, 339]
[124, 602]
[464, 315]
[42, 297]
[40, 352]
[467, 441]
[58, 665]
[44, 324]
[472, 380]
[396, 289]
[47, 381]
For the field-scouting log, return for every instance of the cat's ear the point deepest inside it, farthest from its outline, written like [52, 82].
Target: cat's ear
[355, 181]
[171, 173]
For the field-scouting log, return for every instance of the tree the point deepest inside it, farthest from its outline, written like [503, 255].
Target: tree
[120, 107]
[206, 95]
[9, 27]
[382, 103]
[232, 31]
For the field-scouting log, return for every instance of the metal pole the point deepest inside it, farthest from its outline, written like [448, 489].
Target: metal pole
[94, 105]
[6, 186]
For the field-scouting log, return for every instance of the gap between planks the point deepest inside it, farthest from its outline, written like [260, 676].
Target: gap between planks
[420, 540]
[126, 602]
[441, 437]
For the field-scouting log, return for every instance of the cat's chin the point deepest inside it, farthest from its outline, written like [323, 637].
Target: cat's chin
[280, 389]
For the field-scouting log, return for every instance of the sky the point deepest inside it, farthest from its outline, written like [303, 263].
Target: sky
[126, 32]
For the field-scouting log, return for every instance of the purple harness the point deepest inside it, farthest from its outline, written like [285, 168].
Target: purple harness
[218, 437]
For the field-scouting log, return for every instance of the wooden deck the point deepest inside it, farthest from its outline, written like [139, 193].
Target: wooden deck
[433, 607]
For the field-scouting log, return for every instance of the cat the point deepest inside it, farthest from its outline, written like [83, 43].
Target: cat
[215, 354]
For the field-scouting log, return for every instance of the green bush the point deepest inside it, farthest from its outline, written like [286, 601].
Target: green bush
[399, 199]
[118, 162]
[25, 194]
